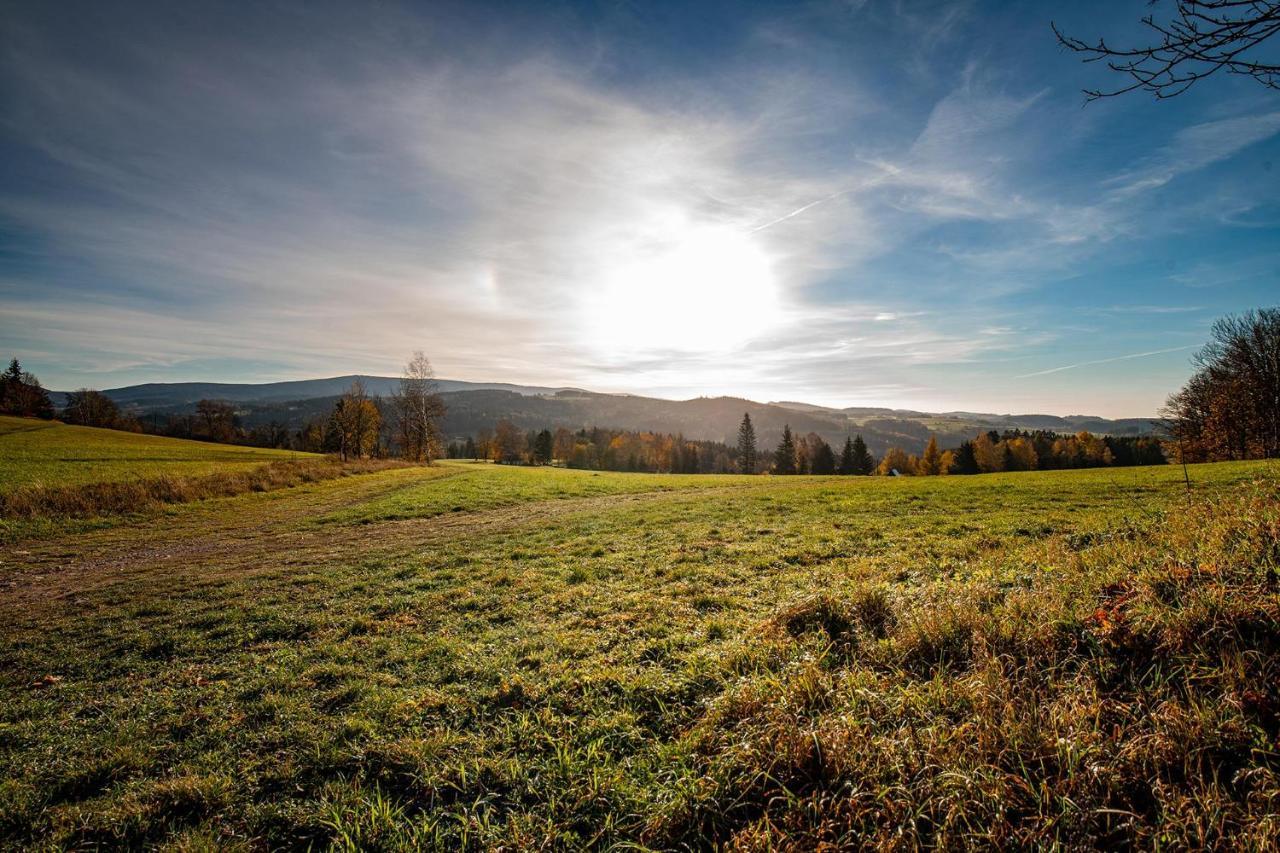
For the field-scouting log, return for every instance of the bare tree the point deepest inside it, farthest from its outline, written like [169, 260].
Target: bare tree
[87, 407]
[419, 409]
[219, 418]
[1200, 39]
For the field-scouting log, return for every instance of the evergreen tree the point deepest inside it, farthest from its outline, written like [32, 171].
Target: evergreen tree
[863, 463]
[824, 461]
[22, 394]
[784, 458]
[747, 445]
[966, 459]
[542, 448]
[847, 464]
[469, 449]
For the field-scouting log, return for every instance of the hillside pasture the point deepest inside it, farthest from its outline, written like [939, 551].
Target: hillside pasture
[49, 453]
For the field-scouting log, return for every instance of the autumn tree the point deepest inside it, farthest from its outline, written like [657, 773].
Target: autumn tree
[508, 443]
[784, 458]
[896, 459]
[419, 409]
[931, 461]
[1020, 454]
[313, 436]
[562, 445]
[87, 407]
[484, 444]
[1230, 408]
[987, 453]
[747, 445]
[356, 422]
[802, 454]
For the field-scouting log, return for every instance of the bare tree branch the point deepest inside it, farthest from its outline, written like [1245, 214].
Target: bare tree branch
[1199, 40]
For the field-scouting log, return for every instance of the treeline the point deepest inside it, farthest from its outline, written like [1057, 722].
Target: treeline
[597, 449]
[358, 427]
[1230, 408]
[1018, 450]
[362, 426]
[632, 450]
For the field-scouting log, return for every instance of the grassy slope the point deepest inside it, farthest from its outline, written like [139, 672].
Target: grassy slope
[49, 453]
[481, 655]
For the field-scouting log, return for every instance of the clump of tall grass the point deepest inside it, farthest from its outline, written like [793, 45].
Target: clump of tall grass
[114, 498]
[1127, 694]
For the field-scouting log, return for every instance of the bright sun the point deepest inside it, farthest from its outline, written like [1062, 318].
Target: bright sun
[701, 288]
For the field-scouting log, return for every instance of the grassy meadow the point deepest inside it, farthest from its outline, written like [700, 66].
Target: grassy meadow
[49, 453]
[474, 656]
[51, 473]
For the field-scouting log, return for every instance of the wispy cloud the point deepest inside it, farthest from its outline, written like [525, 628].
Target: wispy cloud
[1194, 148]
[494, 192]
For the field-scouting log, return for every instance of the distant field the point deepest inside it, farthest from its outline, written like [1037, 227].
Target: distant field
[49, 453]
[474, 656]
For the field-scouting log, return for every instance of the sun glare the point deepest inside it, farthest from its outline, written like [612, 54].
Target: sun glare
[705, 288]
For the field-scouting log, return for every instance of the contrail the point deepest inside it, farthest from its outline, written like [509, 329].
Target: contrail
[1102, 361]
[798, 211]
[886, 171]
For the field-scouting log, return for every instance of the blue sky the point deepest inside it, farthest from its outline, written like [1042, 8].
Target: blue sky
[857, 203]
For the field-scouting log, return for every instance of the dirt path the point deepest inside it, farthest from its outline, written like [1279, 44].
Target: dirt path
[264, 535]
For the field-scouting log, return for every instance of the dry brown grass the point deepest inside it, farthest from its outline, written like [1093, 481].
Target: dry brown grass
[115, 498]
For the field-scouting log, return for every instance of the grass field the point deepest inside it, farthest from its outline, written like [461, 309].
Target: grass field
[49, 453]
[480, 656]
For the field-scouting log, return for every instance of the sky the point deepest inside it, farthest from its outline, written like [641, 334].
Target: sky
[901, 204]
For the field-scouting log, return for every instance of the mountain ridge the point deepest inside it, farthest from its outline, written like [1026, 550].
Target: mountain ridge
[473, 406]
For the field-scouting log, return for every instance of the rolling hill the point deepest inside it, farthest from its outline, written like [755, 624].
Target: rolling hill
[473, 406]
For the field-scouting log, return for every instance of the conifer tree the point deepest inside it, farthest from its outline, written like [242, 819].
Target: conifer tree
[824, 461]
[747, 445]
[784, 458]
[847, 464]
[862, 462]
[966, 459]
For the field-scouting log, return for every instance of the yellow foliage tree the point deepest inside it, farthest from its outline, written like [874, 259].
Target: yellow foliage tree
[896, 460]
[988, 454]
[931, 462]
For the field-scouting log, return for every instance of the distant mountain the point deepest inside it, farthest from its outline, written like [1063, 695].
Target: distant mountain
[473, 406]
[162, 395]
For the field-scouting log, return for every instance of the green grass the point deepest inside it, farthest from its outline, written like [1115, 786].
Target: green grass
[482, 656]
[479, 486]
[36, 453]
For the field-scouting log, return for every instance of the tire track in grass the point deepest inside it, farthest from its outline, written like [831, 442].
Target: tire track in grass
[55, 571]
